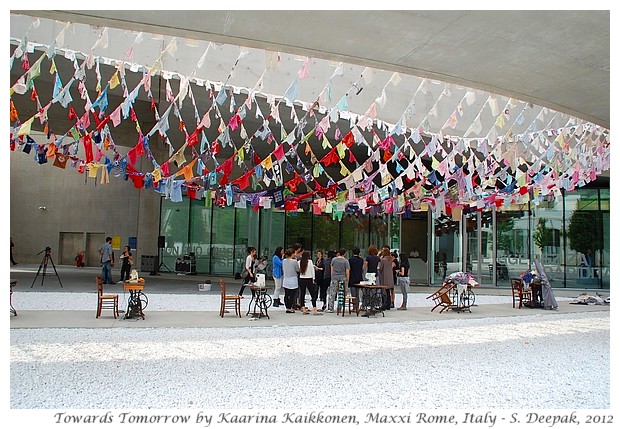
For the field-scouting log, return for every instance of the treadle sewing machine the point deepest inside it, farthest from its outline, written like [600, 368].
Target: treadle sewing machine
[137, 301]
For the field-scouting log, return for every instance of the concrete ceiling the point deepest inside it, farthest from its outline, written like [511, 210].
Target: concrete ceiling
[556, 59]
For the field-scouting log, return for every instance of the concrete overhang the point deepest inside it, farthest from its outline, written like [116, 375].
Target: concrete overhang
[558, 59]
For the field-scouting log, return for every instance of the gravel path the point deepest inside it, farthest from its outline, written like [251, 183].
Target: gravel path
[550, 361]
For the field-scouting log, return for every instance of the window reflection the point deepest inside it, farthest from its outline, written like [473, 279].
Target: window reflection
[570, 235]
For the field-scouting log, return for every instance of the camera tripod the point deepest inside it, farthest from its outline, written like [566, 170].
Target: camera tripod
[47, 257]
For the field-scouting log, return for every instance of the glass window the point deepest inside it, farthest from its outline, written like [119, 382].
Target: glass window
[222, 234]
[394, 223]
[326, 233]
[379, 231]
[547, 226]
[414, 243]
[604, 260]
[200, 235]
[513, 245]
[355, 233]
[587, 234]
[271, 234]
[447, 247]
[174, 218]
[246, 234]
[485, 257]
[299, 229]
[472, 256]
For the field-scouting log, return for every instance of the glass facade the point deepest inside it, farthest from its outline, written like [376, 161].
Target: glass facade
[568, 234]
[299, 230]
[271, 233]
[326, 231]
[200, 235]
[447, 247]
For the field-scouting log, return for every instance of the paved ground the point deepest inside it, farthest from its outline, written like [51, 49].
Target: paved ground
[70, 279]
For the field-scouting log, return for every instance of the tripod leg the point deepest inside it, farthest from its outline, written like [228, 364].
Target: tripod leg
[54, 266]
[35, 277]
[163, 264]
[45, 260]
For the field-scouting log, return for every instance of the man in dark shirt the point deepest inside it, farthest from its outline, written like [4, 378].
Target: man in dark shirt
[356, 274]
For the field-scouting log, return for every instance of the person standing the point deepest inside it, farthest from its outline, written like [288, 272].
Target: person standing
[290, 271]
[12, 245]
[319, 269]
[386, 276]
[276, 271]
[250, 264]
[306, 282]
[107, 261]
[395, 271]
[126, 263]
[340, 273]
[402, 280]
[327, 276]
[356, 264]
[298, 250]
[372, 260]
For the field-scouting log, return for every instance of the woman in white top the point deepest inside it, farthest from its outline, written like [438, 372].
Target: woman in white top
[290, 269]
[250, 263]
[306, 281]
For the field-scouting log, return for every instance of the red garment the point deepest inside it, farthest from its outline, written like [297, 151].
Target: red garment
[279, 152]
[88, 148]
[244, 181]
[138, 180]
[348, 140]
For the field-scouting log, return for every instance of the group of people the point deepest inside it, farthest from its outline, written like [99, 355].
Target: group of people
[390, 269]
[295, 273]
[107, 262]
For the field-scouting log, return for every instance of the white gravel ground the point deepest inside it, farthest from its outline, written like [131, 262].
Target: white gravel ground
[535, 361]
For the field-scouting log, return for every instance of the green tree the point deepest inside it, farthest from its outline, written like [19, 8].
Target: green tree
[542, 235]
[504, 234]
[582, 231]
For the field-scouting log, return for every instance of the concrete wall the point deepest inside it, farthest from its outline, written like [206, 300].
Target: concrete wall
[75, 206]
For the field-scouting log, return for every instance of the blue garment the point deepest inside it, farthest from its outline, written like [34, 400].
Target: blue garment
[106, 273]
[277, 267]
[106, 252]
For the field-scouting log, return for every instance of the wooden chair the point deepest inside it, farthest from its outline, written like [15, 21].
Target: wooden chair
[523, 296]
[228, 302]
[350, 301]
[105, 301]
[441, 297]
[353, 304]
